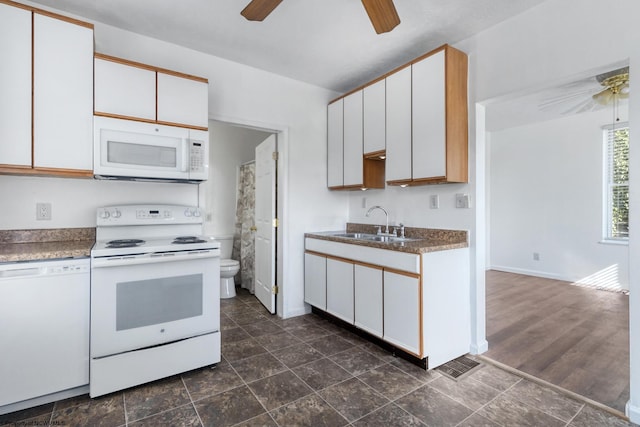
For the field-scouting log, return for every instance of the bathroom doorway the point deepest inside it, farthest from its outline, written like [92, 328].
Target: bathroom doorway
[230, 198]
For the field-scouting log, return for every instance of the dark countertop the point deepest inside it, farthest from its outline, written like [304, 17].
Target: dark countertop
[428, 239]
[34, 245]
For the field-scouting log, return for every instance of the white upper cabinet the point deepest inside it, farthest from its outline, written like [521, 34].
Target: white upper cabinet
[124, 91]
[335, 140]
[353, 161]
[428, 117]
[374, 117]
[15, 86]
[62, 94]
[398, 132]
[183, 101]
[131, 90]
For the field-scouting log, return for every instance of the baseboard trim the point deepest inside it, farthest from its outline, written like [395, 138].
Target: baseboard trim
[479, 348]
[526, 272]
[633, 412]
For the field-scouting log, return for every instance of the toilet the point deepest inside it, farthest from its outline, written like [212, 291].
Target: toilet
[228, 268]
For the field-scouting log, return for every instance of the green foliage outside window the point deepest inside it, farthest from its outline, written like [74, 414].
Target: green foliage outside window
[619, 184]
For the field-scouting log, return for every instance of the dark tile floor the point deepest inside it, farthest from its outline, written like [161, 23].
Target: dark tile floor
[306, 371]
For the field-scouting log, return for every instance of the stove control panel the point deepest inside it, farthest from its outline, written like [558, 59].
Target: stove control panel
[148, 214]
[153, 213]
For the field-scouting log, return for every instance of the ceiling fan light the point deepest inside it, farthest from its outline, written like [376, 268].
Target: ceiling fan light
[257, 10]
[382, 14]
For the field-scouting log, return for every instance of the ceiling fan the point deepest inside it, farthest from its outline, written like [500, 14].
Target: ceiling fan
[382, 13]
[589, 94]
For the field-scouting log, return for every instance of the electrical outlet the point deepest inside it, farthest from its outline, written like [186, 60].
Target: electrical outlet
[43, 211]
[434, 201]
[462, 201]
[364, 203]
[536, 256]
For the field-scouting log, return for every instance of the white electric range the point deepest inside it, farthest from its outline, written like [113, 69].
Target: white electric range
[155, 295]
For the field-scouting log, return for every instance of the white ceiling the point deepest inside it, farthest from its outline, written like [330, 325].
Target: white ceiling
[328, 43]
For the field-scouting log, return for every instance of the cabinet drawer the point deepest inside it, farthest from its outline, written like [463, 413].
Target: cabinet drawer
[383, 257]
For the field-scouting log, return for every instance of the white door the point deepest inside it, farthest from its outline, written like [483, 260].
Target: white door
[265, 245]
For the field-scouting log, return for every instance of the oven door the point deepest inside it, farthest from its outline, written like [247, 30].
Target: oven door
[145, 300]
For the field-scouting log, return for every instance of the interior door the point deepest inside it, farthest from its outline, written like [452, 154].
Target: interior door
[265, 244]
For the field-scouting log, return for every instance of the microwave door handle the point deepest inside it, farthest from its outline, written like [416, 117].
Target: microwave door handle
[185, 155]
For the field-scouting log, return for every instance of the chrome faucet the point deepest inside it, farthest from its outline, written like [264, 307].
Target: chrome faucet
[386, 228]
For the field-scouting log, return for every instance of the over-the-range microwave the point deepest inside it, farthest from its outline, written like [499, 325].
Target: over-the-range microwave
[126, 149]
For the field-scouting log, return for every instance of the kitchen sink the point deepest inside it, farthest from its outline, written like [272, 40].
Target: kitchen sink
[375, 238]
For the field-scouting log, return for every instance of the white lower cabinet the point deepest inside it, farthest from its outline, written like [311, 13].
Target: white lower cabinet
[340, 289]
[402, 318]
[368, 299]
[419, 303]
[315, 280]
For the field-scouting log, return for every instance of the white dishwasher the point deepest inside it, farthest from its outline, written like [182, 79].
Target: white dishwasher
[44, 328]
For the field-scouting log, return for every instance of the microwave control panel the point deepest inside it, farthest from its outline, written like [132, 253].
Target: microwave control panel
[196, 156]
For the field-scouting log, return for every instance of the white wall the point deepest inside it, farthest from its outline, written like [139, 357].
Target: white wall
[547, 43]
[74, 201]
[230, 147]
[546, 197]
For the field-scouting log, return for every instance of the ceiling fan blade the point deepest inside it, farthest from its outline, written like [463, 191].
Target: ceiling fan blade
[257, 10]
[383, 14]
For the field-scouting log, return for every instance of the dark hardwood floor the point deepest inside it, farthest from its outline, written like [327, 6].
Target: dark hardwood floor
[573, 337]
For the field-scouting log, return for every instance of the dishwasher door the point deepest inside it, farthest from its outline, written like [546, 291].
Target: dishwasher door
[44, 328]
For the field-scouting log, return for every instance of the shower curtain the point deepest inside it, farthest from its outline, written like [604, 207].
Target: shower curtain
[243, 240]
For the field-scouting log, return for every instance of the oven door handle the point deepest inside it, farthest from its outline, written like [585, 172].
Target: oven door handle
[154, 258]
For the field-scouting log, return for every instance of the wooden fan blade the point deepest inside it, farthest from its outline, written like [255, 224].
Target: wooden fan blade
[382, 14]
[257, 10]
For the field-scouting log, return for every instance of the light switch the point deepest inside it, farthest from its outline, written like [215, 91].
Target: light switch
[434, 201]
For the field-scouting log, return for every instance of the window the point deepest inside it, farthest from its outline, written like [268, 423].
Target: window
[616, 181]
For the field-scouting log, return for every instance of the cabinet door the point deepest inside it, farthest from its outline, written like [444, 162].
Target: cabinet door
[315, 280]
[340, 289]
[353, 139]
[428, 112]
[402, 311]
[61, 326]
[374, 117]
[62, 94]
[15, 86]
[398, 110]
[125, 90]
[182, 101]
[368, 299]
[335, 153]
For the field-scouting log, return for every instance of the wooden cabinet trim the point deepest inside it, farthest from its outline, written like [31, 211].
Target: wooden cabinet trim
[182, 125]
[47, 13]
[123, 61]
[456, 116]
[28, 170]
[402, 272]
[119, 116]
[421, 308]
[364, 264]
[375, 155]
[138, 119]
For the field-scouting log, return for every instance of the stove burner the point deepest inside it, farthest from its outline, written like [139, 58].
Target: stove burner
[124, 243]
[187, 239]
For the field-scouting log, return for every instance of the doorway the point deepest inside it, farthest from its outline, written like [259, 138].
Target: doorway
[544, 233]
[232, 152]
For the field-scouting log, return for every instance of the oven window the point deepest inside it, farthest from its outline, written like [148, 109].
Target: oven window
[157, 301]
